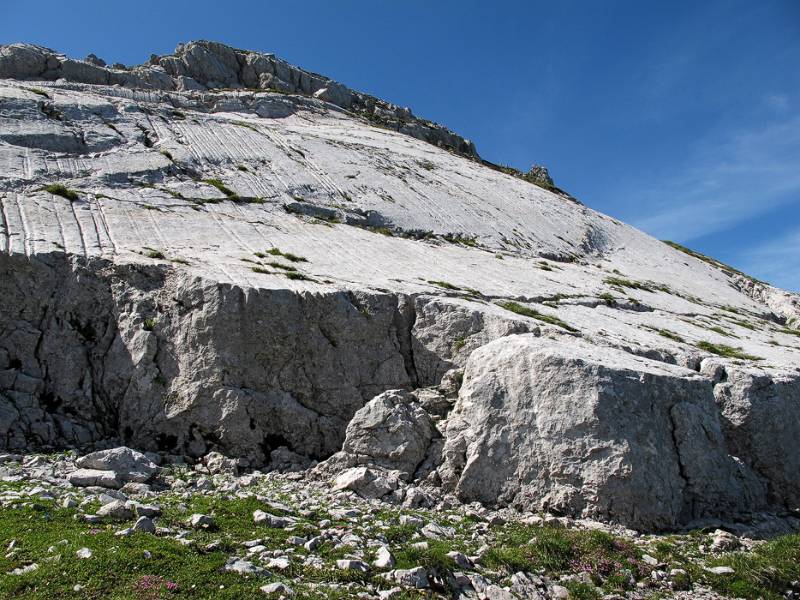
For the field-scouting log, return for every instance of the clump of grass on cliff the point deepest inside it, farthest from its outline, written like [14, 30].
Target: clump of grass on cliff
[229, 193]
[726, 351]
[527, 311]
[58, 189]
[287, 255]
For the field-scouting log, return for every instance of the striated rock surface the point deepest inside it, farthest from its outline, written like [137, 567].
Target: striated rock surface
[218, 252]
[204, 65]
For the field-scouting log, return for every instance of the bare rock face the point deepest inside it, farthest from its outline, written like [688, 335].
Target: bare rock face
[218, 254]
[205, 65]
[392, 431]
[566, 428]
[760, 420]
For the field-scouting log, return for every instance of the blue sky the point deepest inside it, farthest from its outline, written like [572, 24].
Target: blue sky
[680, 117]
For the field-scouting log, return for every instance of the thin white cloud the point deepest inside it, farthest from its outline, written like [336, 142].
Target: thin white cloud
[729, 181]
[777, 102]
[776, 261]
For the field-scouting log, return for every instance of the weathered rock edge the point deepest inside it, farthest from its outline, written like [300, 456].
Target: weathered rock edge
[167, 361]
[160, 359]
[204, 65]
[569, 428]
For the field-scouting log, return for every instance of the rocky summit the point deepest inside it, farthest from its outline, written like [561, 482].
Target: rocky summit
[220, 259]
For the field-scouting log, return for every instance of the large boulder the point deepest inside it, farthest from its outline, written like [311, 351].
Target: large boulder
[597, 432]
[127, 464]
[23, 61]
[392, 431]
[761, 422]
[366, 482]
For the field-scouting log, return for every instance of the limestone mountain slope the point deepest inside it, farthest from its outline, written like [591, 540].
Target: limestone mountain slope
[221, 251]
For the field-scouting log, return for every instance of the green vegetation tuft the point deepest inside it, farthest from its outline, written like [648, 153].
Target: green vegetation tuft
[726, 351]
[711, 261]
[459, 238]
[298, 276]
[609, 299]
[153, 253]
[38, 91]
[149, 324]
[670, 335]
[445, 285]
[534, 314]
[283, 267]
[58, 189]
[245, 125]
[229, 193]
[287, 255]
[529, 549]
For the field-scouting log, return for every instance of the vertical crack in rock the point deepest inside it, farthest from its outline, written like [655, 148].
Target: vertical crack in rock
[405, 318]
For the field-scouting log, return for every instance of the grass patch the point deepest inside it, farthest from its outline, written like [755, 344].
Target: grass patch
[766, 572]
[444, 285]
[609, 299]
[118, 570]
[726, 351]
[149, 324]
[382, 230]
[277, 265]
[38, 92]
[711, 261]
[58, 189]
[526, 548]
[245, 125]
[720, 330]
[229, 193]
[526, 311]
[745, 324]
[434, 557]
[671, 335]
[298, 276]
[287, 255]
[259, 269]
[645, 286]
[153, 253]
[458, 238]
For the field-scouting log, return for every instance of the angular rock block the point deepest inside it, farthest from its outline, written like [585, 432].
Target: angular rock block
[582, 430]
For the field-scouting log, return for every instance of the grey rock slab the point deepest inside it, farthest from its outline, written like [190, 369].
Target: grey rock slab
[116, 510]
[200, 521]
[415, 578]
[366, 482]
[276, 589]
[90, 477]
[244, 567]
[129, 464]
[145, 525]
[352, 565]
[539, 423]
[383, 558]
